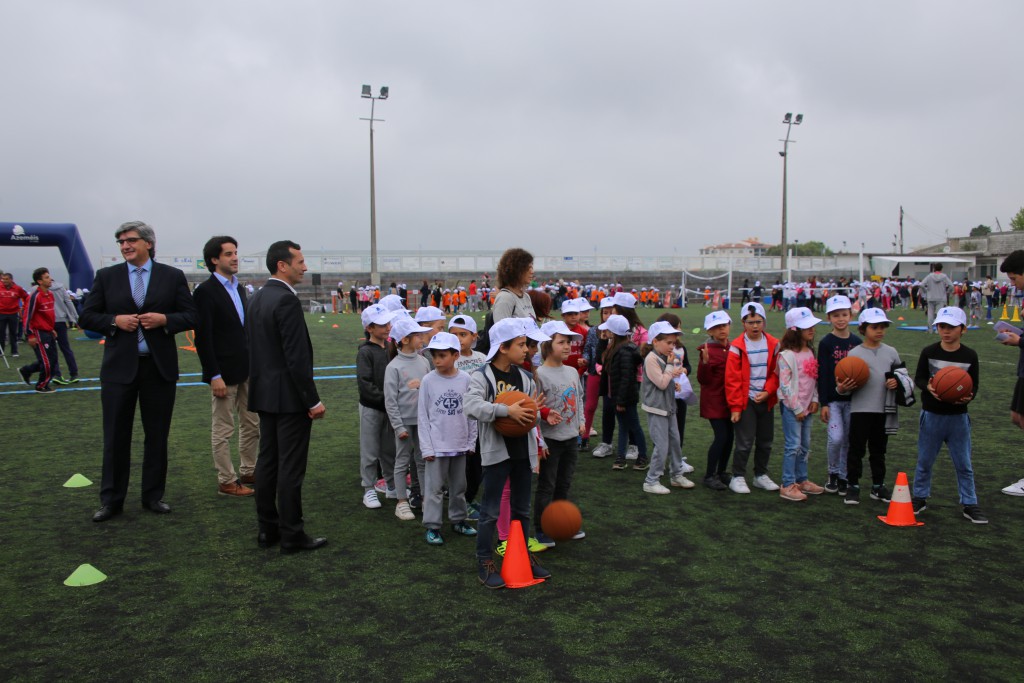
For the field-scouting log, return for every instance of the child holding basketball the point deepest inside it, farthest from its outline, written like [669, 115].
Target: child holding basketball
[561, 420]
[401, 399]
[503, 457]
[798, 394]
[835, 407]
[943, 422]
[867, 406]
[713, 406]
[658, 393]
[622, 362]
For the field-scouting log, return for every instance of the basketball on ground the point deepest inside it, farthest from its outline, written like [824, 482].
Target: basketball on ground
[561, 520]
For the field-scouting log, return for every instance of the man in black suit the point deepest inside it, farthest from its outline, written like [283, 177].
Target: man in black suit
[282, 391]
[139, 306]
[224, 353]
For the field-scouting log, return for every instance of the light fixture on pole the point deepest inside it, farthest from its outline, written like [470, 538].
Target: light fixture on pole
[368, 94]
[790, 122]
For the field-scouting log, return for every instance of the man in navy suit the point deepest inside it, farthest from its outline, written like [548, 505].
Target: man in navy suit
[282, 391]
[139, 306]
[224, 353]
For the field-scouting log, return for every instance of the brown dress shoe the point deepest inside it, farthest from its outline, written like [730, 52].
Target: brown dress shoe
[234, 489]
[247, 479]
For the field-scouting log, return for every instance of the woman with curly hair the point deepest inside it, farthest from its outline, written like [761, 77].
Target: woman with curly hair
[515, 272]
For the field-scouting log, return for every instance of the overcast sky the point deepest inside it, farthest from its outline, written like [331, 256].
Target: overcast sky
[561, 126]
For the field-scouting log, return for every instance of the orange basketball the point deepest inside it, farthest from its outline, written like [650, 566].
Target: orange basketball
[506, 426]
[561, 520]
[853, 368]
[952, 383]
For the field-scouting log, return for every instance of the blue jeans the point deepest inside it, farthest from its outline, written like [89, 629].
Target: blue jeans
[955, 432]
[630, 432]
[520, 477]
[797, 436]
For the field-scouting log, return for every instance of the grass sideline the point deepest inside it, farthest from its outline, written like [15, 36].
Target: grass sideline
[697, 585]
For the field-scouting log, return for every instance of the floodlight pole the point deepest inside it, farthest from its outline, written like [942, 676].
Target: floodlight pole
[368, 94]
[789, 121]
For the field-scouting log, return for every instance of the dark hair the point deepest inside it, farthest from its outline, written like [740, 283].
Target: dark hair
[613, 345]
[863, 327]
[670, 318]
[145, 231]
[280, 251]
[630, 315]
[937, 267]
[793, 340]
[541, 303]
[38, 273]
[1014, 263]
[214, 247]
[512, 266]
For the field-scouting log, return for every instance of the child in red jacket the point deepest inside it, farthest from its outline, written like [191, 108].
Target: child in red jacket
[751, 385]
[713, 406]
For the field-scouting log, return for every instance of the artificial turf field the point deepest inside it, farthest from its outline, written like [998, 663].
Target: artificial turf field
[697, 585]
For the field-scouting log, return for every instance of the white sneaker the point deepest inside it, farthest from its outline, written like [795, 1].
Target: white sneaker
[404, 512]
[370, 499]
[579, 535]
[681, 482]
[738, 485]
[656, 487]
[392, 494]
[593, 432]
[687, 467]
[602, 451]
[1015, 489]
[632, 452]
[765, 482]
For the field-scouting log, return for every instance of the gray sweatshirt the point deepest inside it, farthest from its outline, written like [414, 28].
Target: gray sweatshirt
[658, 389]
[400, 399]
[870, 398]
[480, 406]
[563, 395]
[936, 286]
[444, 427]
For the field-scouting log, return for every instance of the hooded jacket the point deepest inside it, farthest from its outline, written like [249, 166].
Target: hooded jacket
[737, 374]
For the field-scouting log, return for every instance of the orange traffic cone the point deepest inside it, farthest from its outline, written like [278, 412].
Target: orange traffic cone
[901, 509]
[516, 568]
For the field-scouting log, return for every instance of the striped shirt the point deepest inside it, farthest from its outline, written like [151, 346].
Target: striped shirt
[757, 352]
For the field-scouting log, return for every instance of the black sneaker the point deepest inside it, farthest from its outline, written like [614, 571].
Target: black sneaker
[26, 376]
[833, 484]
[73, 380]
[584, 445]
[619, 464]
[715, 484]
[843, 487]
[641, 464]
[852, 495]
[538, 571]
[46, 390]
[415, 501]
[920, 505]
[489, 575]
[725, 478]
[973, 513]
[879, 492]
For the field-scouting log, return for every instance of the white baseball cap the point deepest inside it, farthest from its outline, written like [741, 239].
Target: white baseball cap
[616, 324]
[607, 302]
[558, 327]
[951, 315]
[444, 340]
[661, 327]
[871, 316]
[377, 315]
[505, 330]
[837, 303]
[392, 302]
[625, 300]
[403, 327]
[570, 306]
[582, 305]
[752, 308]
[715, 319]
[463, 321]
[801, 318]
[428, 314]
[532, 330]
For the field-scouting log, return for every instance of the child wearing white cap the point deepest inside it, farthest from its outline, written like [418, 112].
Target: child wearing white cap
[658, 400]
[714, 407]
[401, 398]
[835, 407]
[798, 395]
[593, 352]
[867, 407]
[376, 437]
[622, 362]
[464, 327]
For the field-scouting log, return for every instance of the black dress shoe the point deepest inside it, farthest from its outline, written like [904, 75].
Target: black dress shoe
[306, 543]
[267, 540]
[159, 507]
[105, 513]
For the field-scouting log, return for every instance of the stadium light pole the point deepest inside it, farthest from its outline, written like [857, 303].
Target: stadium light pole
[368, 94]
[789, 121]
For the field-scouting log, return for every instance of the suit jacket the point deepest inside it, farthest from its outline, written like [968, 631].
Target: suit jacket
[280, 353]
[111, 295]
[221, 341]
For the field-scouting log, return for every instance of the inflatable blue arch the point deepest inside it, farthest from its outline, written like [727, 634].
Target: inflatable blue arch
[64, 236]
